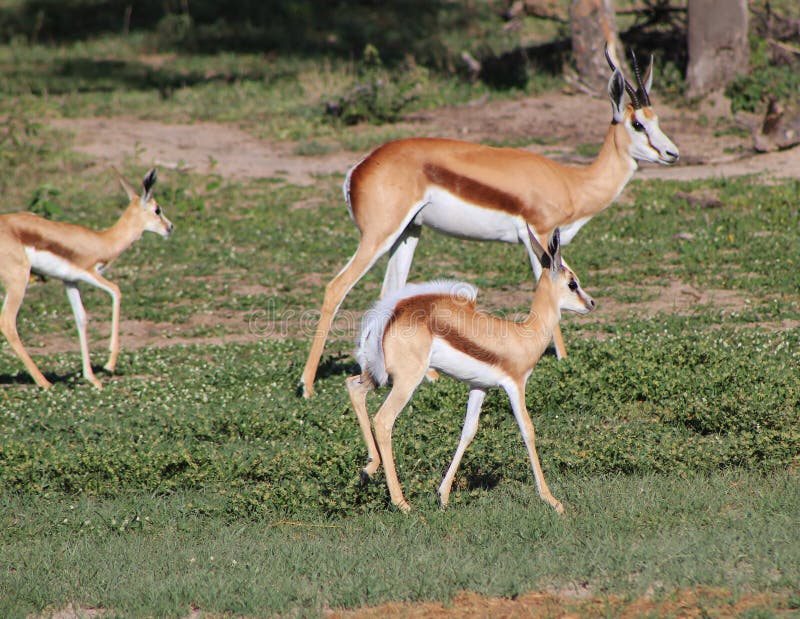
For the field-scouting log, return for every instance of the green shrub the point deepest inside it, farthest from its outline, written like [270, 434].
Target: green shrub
[751, 91]
[376, 95]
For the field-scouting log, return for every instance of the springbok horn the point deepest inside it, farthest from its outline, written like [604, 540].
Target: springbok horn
[641, 93]
[635, 100]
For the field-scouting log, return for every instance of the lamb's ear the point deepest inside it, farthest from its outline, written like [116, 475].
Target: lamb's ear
[616, 92]
[126, 186]
[541, 254]
[147, 183]
[555, 249]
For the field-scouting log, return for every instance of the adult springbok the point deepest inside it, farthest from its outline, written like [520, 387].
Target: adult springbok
[73, 254]
[479, 192]
[436, 326]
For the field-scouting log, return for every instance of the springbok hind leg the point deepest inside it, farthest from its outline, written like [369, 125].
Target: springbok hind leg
[358, 387]
[335, 292]
[400, 258]
[15, 292]
[383, 422]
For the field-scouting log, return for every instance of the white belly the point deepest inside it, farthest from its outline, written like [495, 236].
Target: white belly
[450, 215]
[463, 367]
[51, 265]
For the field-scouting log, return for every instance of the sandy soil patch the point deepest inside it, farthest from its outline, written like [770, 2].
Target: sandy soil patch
[205, 147]
[687, 603]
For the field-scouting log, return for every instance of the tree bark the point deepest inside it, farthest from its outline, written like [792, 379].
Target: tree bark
[593, 25]
[718, 48]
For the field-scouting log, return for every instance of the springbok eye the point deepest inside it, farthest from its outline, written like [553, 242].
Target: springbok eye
[573, 285]
[637, 126]
[158, 210]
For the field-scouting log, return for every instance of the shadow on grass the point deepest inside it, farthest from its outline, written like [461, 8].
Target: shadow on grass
[24, 379]
[340, 364]
[72, 379]
[308, 27]
[101, 75]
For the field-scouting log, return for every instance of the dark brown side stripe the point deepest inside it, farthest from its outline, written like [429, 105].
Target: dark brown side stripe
[31, 238]
[471, 190]
[419, 309]
[465, 345]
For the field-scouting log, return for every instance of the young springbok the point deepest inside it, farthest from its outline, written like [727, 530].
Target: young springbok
[73, 254]
[436, 325]
[473, 191]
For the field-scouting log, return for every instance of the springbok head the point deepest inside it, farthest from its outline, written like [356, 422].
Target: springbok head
[147, 211]
[571, 297]
[647, 141]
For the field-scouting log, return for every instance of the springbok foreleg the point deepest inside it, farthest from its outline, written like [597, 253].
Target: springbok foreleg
[516, 395]
[474, 403]
[116, 300]
[74, 296]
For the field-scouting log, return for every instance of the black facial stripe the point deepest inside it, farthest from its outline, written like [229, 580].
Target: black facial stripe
[650, 142]
[647, 135]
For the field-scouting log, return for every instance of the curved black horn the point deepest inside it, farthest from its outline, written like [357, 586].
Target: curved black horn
[608, 59]
[641, 93]
[633, 94]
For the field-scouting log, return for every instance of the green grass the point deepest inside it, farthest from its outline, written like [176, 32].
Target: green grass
[672, 442]
[142, 555]
[199, 479]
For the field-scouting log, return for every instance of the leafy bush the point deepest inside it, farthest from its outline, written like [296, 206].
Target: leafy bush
[376, 95]
[227, 420]
[751, 91]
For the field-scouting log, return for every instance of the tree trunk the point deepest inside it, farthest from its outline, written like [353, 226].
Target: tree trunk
[718, 48]
[593, 25]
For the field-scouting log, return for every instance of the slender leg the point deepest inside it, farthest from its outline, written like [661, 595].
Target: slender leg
[397, 270]
[358, 387]
[15, 292]
[116, 300]
[74, 296]
[476, 396]
[335, 292]
[383, 422]
[516, 394]
[400, 259]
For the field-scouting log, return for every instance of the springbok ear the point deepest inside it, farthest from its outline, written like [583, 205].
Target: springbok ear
[147, 183]
[541, 254]
[126, 186]
[616, 92]
[555, 249]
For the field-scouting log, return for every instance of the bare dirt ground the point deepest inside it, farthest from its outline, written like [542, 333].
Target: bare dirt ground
[686, 604]
[562, 122]
[712, 144]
